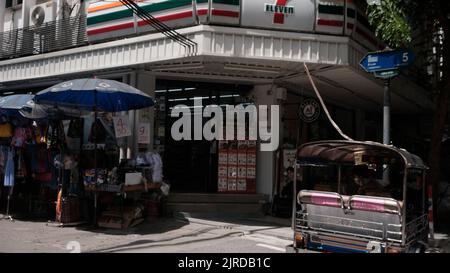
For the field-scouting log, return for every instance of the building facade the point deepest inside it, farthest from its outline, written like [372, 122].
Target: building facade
[247, 51]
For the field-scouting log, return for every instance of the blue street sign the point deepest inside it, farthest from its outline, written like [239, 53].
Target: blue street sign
[387, 60]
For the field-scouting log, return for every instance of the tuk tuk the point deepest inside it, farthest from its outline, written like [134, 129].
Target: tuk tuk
[359, 197]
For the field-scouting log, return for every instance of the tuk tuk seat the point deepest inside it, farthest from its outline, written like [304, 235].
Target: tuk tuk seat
[331, 199]
[376, 204]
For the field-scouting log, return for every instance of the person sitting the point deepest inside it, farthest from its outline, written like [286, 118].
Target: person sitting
[364, 182]
[355, 185]
[283, 202]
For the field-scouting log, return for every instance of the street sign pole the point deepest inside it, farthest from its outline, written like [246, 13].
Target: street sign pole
[386, 65]
[387, 112]
[386, 124]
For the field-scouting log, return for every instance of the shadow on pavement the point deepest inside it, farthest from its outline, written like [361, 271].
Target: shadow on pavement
[247, 220]
[145, 244]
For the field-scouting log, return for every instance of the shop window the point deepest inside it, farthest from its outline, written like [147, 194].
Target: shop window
[9, 3]
[13, 3]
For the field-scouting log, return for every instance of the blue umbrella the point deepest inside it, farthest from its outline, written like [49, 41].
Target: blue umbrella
[11, 105]
[22, 105]
[94, 94]
[35, 111]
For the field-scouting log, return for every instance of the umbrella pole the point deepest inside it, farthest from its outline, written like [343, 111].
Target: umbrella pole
[95, 168]
[61, 157]
[8, 216]
[95, 158]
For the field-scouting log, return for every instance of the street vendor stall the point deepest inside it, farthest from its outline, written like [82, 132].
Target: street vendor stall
[99, 158]
[31, 137]
[65, 142]
[16, 137]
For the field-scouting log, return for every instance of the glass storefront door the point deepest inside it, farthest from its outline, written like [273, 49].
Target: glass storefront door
[190, 165]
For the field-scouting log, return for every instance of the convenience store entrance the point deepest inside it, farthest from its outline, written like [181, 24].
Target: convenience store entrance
[190, 165]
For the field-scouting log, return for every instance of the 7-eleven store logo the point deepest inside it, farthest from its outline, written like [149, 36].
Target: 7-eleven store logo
[280, 10]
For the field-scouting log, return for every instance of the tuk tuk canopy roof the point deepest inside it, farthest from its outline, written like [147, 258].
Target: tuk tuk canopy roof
[344, 151]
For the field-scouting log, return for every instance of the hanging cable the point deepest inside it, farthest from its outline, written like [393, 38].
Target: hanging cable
[187, 43]
[324, 106]
[155, 23]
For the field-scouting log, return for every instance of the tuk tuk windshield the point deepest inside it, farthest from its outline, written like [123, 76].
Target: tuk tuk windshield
[355, 179]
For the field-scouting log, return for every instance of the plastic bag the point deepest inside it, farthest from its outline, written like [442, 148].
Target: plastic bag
[165, 188]
[155, 161]
[141, 160]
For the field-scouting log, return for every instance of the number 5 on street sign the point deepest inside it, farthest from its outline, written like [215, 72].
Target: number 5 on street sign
[387, 60]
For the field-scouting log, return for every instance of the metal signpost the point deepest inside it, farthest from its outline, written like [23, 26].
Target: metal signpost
[386, 65]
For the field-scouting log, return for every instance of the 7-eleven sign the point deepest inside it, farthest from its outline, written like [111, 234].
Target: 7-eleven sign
[280, 10]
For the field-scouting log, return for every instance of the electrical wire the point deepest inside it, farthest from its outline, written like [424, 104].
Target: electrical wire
[324, 106]
[160, 26]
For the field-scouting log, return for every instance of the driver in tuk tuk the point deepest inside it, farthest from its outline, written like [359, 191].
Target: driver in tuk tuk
[364, 182]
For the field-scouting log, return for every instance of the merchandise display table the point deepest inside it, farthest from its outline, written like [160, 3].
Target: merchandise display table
[121, 218]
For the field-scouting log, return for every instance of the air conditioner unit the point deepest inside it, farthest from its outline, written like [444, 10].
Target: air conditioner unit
[42, 13]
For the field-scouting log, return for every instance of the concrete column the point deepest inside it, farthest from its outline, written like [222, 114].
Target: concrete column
[266, 161]
[132, 80]
[26, 6]
[147, 84]
[28, 38]
[125, 151]
[2, 21]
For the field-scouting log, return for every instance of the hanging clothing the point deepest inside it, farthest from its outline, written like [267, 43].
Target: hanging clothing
[98, 132]
[110, 138]
[5, 130]
[3, 158]
[39, 134]
[55, 135]
[9, 170]
[21, 170]
[75, 128]
[40, 158]
[21, 137]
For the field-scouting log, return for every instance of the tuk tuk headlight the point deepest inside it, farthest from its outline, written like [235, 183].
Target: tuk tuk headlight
[390, 249]
[299, 240]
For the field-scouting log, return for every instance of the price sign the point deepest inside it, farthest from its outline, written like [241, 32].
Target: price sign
[144, 133]
[121, 126]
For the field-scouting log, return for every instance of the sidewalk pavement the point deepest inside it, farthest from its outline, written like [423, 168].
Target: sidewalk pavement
[38, 236]
[266, 225]
[43, 236]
